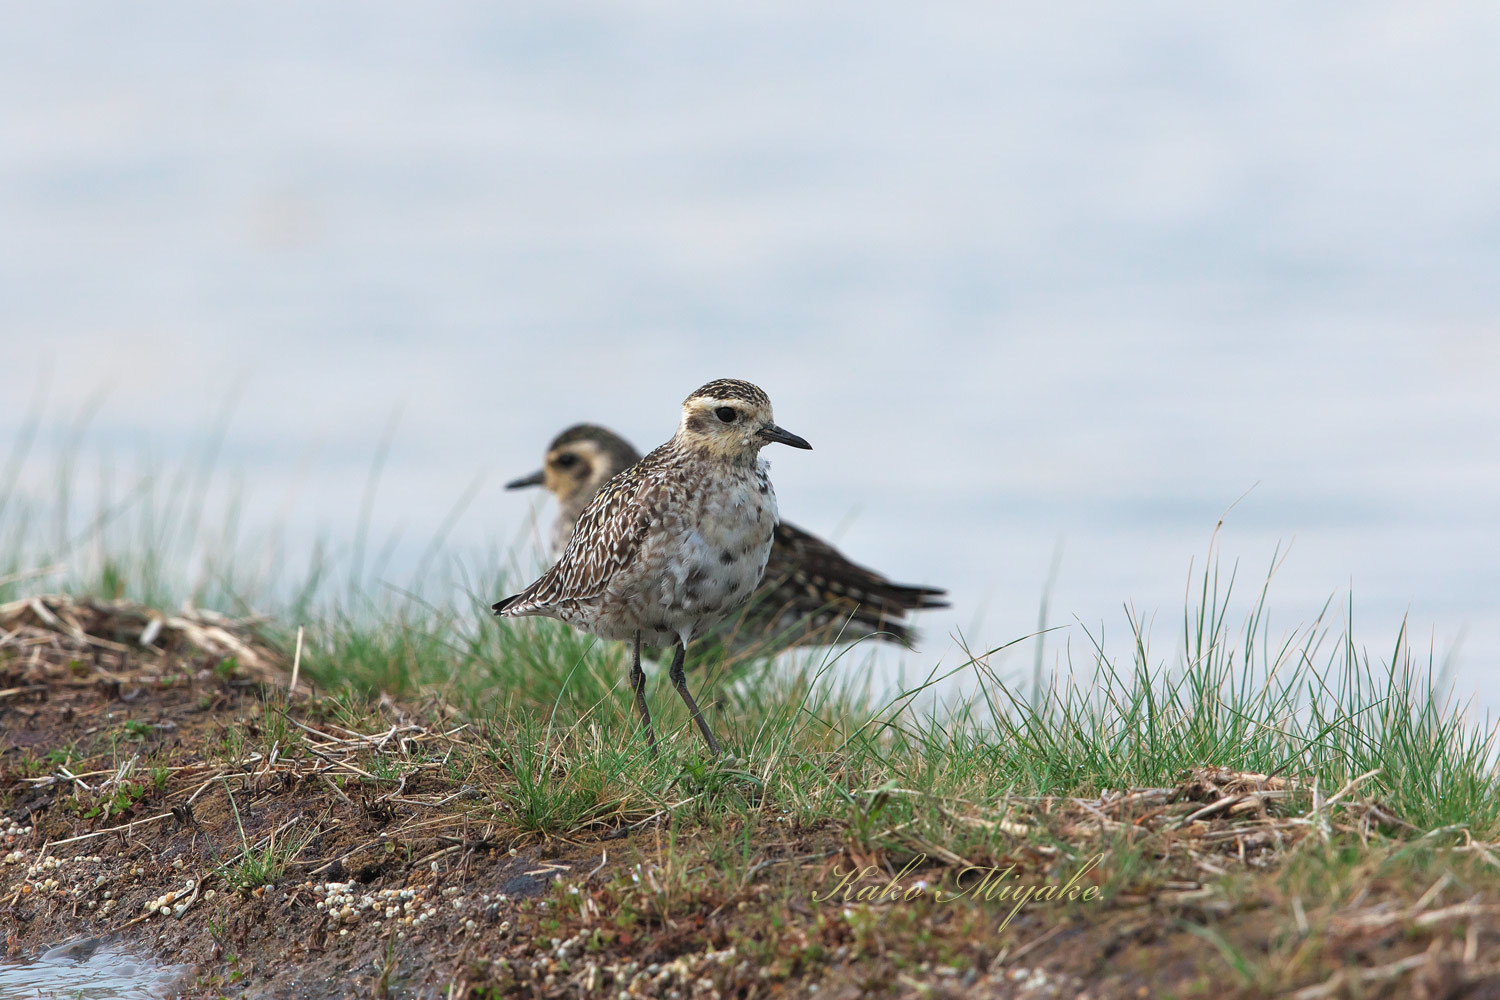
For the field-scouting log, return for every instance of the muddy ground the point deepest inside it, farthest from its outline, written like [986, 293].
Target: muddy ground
[171, 796]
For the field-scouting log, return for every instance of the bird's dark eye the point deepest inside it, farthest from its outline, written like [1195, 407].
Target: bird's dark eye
[565, 461]
[726, 414]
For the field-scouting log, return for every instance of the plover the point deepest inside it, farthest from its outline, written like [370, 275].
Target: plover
[811, 593]
[674, 543]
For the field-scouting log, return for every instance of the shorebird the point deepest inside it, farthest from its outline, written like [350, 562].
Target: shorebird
[676, 542]
[811, 593]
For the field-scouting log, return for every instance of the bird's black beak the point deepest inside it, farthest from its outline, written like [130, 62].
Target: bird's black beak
[777, 435]
[535, 479]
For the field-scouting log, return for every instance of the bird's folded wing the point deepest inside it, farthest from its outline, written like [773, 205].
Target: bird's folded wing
[813, 563]
[608, 536]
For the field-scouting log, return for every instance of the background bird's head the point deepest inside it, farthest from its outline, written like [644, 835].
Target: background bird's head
[579, 461]
[731, 419]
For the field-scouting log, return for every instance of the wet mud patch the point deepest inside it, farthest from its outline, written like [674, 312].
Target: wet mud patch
[89, 969]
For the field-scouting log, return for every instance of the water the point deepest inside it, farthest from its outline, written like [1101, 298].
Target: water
[1065, 277]
[87, 970]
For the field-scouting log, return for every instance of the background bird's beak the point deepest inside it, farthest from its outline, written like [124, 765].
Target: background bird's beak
[771, 432]
[535, 479]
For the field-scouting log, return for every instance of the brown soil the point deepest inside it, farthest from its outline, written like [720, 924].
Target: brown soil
[138, 769]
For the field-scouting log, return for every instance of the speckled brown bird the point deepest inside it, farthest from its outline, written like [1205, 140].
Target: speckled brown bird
[675, 543]
[812, 594]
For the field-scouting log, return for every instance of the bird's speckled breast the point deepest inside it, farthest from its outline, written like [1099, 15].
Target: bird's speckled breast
[707, 559]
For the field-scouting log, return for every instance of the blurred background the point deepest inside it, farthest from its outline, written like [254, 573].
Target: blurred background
[1048, 289]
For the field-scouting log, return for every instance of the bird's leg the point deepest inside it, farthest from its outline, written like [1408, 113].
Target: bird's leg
[679, 681]
[638, 681]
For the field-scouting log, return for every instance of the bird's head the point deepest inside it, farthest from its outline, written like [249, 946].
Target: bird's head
[579, 461]
[731, 420]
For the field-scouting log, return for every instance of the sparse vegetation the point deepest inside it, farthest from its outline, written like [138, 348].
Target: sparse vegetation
[264, 862]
